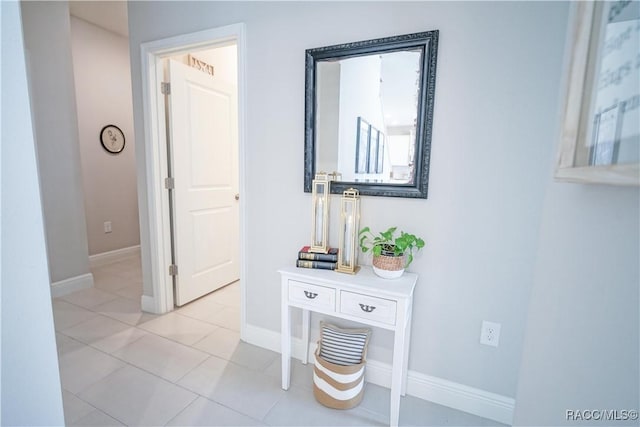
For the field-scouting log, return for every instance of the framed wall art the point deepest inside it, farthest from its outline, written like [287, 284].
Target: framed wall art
[362, 145]
[600, 135]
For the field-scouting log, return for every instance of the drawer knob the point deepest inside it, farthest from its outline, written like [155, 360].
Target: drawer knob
[310, 295]
[367, 308]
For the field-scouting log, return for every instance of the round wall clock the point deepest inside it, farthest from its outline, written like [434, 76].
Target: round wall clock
[112, 139]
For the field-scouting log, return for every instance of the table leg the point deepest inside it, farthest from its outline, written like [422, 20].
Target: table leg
[286, 345]
[306, 324]
[397, 369]
[405, 363]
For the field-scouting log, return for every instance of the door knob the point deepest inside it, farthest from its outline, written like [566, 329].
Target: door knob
[237, 196]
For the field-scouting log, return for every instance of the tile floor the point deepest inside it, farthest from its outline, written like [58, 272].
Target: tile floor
[120, 366]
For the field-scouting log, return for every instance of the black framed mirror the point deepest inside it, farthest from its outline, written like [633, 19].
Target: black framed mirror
[369, 114]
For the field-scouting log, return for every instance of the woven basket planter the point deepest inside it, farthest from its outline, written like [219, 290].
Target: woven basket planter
[388, 267]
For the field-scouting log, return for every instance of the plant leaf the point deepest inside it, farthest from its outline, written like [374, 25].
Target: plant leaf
[409, 260]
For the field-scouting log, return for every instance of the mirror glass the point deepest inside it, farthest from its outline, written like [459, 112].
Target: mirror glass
[366, 116]
[369, 108]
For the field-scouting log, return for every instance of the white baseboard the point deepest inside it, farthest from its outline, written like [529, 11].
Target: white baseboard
[104, 258]
[72, 284]
[148, 304]
[462, 397]
[433, 389]
[265, 338]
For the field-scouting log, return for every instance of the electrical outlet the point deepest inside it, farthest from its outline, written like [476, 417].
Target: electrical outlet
[107, 226]
[490, 333]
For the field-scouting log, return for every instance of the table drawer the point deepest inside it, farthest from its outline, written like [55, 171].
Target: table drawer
[312, 295]
[368, 307]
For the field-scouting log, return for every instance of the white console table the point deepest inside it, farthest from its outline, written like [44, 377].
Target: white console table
[363, 297]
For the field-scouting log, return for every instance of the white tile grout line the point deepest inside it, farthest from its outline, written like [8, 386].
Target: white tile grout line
[209, 355]
[160, 336]
[82, 400]
[185, 408]
[126, 363]
[137, 326]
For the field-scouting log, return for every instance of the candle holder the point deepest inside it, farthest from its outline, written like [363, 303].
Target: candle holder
[349, 219]
[335, 176]
[320, 213]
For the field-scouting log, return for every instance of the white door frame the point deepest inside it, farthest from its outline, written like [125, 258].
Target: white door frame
[152, 54]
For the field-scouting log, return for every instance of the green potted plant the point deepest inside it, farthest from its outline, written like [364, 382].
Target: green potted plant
[391, 254]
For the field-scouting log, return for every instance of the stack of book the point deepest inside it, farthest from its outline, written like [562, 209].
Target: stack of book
[308, 259]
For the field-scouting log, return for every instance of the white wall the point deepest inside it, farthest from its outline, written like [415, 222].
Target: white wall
[102, 77]
[30, 391]
[582, 336]
[582, 340]
[48, 45]
[495, 106]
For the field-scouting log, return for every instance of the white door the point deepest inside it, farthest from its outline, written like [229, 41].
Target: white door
[204, 143]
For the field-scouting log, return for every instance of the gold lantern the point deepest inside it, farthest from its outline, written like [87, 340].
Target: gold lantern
[320, 213]
[349, 220]
[335, 176]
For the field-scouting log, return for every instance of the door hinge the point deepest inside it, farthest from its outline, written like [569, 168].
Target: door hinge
[165, 88]
[169, 183]
[173, 270]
